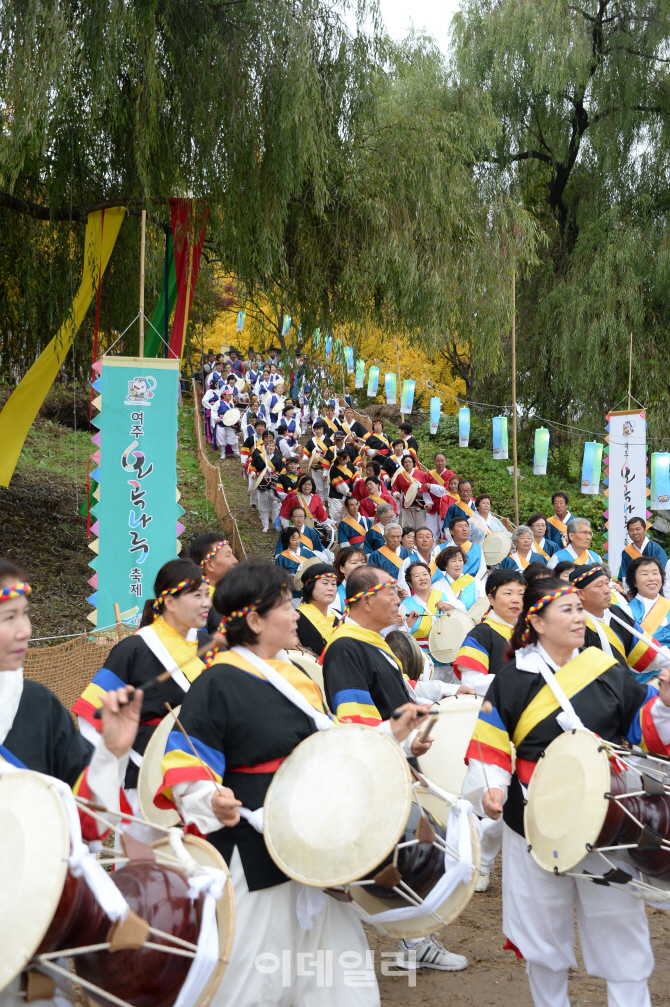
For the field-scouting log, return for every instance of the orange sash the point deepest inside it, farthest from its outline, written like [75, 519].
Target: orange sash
[391, 556]
[656, 615]
[558, 525]
[633, 551]
[354, 524]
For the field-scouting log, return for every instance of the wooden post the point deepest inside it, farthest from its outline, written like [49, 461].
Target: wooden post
[118, 620]
[142, 247]
[630, 367]
[514, 452]
[399, 387]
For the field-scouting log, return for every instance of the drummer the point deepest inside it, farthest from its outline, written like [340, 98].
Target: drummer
[317, 457]
[168, 636]
[267, 461]
[226, 435]
[38, 733]
[250, 710]
[603, 697]
[214, 555]
[450, 562]
[604, 628]
[364, 684]
[483, 652]
[316, 617]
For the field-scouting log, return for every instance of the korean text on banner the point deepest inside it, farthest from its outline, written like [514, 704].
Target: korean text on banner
[435, 407]
[137, 516]
[373, 381]
[390, 387]
[360, 374]
[591, 468]
[541, 455]
[463, 427]
[500, 442]
[660, 480]
[626, 478]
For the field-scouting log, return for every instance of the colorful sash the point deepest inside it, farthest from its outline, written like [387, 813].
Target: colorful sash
[389, 554]
[322, 624]
[7, 756]
[457, 586]
[421, 629]
[657, 613]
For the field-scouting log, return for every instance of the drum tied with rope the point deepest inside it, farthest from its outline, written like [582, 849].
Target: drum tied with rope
[447, 635]
[496, 547]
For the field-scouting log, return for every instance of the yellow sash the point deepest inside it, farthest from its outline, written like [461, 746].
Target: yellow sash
[391, 556]
[467, 546]
[322, 624]
[500, 627]
[332, 424]
[289, 555]
[294, 676]
[348, 520]
[572, 677]
[558, 525]
[656, 615]
[614, 640]
[306, 541]
[538, 548]
[459, 585]
[352, 631]
[183, 651]
[423, 627]
[465, 507]
[437, 477]
[522, 561]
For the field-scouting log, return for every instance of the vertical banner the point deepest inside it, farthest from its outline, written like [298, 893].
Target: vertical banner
[541, 455]
[626, 477]
[286, 325]
[241, 318]
[500, 442]
[349, 357]
[591, 468]
[463, 427]
[373, 381]
[391, 389]
[137, 514]
[329, 346]
[407, 399]
[435, 407]
[660, 480]
[360, 373]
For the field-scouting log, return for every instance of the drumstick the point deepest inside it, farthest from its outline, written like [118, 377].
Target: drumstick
[481, 759]
[203, 764]
[163, 677]
[432, 720]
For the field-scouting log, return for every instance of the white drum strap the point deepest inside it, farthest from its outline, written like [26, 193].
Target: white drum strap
[322, 722]
[159, 650]
[568, 720]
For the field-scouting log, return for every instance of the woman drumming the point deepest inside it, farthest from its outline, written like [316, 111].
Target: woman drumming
[539, 907]
[316, 618]
[166, 641]
[344, 564]
[246, 714]
[38, 733]
[425, 603]
[644, 577]
[463, 586]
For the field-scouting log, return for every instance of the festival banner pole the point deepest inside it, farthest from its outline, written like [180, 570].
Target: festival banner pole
[142, 247]
[514, 454]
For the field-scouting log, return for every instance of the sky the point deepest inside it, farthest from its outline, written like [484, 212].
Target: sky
[434, 15]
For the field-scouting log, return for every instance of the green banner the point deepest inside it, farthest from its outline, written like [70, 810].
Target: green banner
[153, 342]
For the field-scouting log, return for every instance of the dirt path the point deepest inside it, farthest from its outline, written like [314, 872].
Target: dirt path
[497, 977]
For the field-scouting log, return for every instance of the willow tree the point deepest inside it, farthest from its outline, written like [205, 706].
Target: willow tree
[580, 94]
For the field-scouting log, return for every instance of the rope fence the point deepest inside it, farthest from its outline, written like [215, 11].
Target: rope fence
[214, 490]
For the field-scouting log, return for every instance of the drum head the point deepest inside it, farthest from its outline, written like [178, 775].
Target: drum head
[310, 666]
[496, 546]
[452, 907]
[444, 762]
[260, 479]
[411, 495]
[231, 417]
[408, 652]
[447, 635]
[34, 851]
[479, 609]
[150, 776]
[337, 806]
[566, 809]
[207, 856]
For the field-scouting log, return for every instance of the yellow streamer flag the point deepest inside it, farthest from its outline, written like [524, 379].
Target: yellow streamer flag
[24, 403]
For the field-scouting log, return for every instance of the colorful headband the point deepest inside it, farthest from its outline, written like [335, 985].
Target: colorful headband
[365, 594]
[17, 590]
[213, 551]
[585, 578]
[171, 590]
[542, 603]
[238, 613]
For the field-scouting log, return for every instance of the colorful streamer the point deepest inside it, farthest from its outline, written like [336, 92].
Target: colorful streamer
[286, 326]
[463, 427]
[390, 386]
[154, 345]
[373, 381]
[500, 442]
[360, 373]
[435, 409]
[189, 221]
[24, 403]
[349, 357]
[541, 451]
[660, 480]
[407, 399]
[329, 346]
[241, 318]
[591, 468]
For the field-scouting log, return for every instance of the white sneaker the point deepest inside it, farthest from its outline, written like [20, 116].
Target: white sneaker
[428, 953]
[483, 881]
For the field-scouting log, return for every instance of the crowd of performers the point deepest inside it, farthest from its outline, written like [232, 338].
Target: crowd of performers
[357, 559]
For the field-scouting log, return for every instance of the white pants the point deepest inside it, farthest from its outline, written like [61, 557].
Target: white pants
[253, 493]
[538, 917]
[274, 963]
[491, 841]
[320, 483]
[413, 518]
[268, 508]
[434, 522]
[224, 436]
[335, 508]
